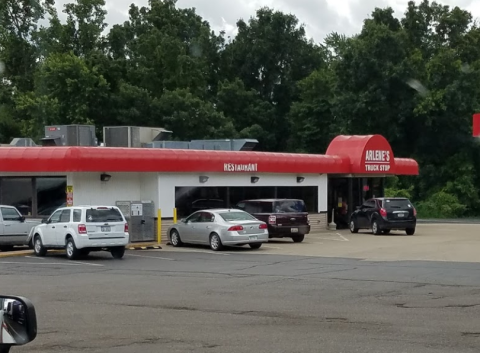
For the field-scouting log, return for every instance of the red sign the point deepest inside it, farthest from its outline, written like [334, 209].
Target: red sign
[476, 125]
[52, 129]
[377, 156]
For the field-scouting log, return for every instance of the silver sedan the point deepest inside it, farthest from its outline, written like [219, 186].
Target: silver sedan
[218, 228]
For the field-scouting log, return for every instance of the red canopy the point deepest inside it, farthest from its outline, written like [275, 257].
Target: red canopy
[371, 154]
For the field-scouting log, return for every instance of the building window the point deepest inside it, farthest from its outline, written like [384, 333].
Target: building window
[309, 195]
[50, 194]
[192, 199]
[18, 192]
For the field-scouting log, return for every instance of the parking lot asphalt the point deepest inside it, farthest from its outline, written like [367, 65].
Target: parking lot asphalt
[432, 242]
[194, 300]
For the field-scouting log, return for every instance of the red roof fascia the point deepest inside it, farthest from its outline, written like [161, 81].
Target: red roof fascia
[99, 159]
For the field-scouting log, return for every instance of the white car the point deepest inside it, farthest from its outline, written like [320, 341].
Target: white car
[82, 229]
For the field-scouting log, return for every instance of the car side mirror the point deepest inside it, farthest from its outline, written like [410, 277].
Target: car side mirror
[18, 322]
[22, 219]
[358, 207]
[45, 220]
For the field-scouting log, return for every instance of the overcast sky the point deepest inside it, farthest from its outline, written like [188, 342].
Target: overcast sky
[320, 16]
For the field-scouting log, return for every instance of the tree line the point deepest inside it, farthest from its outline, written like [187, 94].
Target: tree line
[414, 80]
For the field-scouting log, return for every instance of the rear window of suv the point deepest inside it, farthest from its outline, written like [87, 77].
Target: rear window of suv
[397, 203]
[103, 215]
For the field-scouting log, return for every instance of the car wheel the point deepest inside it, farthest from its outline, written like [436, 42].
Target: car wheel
[175, 238]
[386, 231]
[375, 228]
[6, 248]
[353, 227]
[255, 245]
[72, 251]
[215, 242]
[410, 231]
[38, 247]
[298, 238]
[117, 252]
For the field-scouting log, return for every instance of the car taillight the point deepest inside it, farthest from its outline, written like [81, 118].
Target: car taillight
[414, 212]
[272, 220]
[126, 228]
[383, 212]
[82, 229]
[235, 229]
[263, 226]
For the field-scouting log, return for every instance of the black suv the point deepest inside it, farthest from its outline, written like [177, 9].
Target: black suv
[382, 215]
[286, 218]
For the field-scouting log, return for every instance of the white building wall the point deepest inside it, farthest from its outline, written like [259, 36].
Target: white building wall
[88, 189]
[168, 181]
[149, 187]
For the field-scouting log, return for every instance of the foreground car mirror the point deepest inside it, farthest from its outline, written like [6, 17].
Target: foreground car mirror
[18, 322]
[45, 220]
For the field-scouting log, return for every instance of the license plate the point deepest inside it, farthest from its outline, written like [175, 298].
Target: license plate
[294, 230]
[253, 237]
[106, 229]
[401, 215]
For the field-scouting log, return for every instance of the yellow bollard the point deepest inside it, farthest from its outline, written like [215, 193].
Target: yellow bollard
[174, 215]
[159, 226]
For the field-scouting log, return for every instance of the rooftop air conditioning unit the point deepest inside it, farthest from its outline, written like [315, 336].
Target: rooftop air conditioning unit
[132, 136]
[69, 135]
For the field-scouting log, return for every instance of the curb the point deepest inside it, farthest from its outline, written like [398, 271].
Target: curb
[144, 246]
[16, 253]
[449, 221]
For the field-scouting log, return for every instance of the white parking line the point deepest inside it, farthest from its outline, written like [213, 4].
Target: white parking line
[153, 257]
[332, 239]
[203, 252]
[86, 263]
[341, 236]
[36, 257]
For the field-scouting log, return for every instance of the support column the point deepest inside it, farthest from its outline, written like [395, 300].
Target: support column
[350, 198]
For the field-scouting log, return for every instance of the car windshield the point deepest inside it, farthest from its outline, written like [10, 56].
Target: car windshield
[237, 216]
[289, 206]
[104, 215]
[397, 203]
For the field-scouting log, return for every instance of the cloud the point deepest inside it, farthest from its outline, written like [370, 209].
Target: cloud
[320, 17]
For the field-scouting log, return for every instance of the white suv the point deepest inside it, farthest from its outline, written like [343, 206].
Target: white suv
[82, 229]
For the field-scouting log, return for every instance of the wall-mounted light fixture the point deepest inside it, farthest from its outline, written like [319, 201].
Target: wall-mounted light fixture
[254, 179]
[300, 179]
[203, 179]
[105, 177]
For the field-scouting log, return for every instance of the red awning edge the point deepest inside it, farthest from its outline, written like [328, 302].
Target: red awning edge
[406, 166]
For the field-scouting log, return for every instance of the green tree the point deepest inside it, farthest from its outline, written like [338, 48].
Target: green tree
[67, 91]
[190, 117]
[270, 54]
